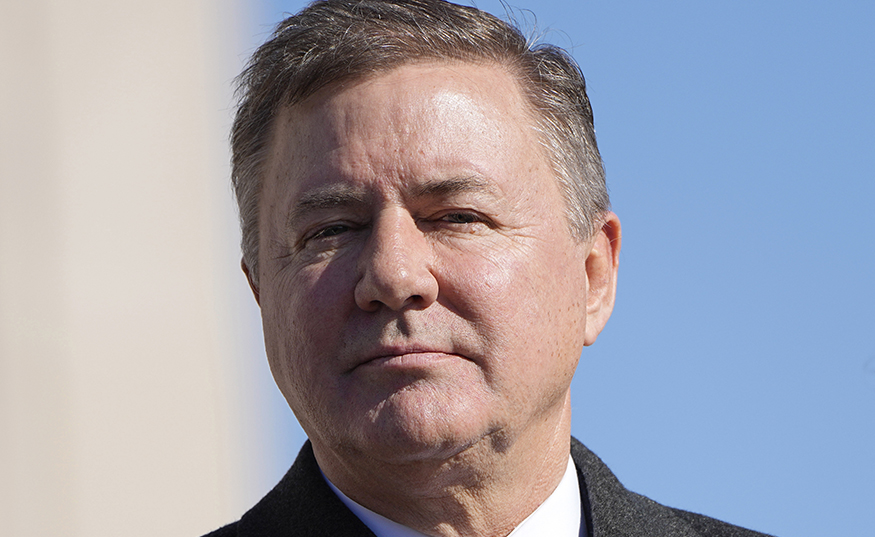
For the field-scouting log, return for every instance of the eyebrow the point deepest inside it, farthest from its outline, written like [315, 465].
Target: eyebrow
[448, 187]
[328, 197]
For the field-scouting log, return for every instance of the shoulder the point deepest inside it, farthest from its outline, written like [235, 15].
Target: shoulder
[226, 531]
[300, 505]
[711, 527]
[609, 509]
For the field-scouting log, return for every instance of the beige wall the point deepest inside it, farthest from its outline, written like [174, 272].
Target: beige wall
[117, 389]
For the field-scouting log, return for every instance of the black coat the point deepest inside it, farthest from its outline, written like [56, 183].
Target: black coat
[302, 505]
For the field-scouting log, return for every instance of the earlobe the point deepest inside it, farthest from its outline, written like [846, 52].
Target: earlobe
[602, 263]
[252, 284]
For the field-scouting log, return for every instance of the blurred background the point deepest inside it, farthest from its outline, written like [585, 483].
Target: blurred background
[736, 377]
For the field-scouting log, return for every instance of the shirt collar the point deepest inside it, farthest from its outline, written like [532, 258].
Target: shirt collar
[558, 516]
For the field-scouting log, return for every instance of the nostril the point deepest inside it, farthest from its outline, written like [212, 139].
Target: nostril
[417, 301]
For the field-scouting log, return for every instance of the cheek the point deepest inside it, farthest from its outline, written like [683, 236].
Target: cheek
[315, 296]
[281, 338]
[518, 279]
[508, 299]
[303, 314]
[492, 293]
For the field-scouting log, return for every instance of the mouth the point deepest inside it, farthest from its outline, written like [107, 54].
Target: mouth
[406, 358]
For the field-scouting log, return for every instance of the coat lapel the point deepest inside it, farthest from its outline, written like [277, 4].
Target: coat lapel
[302, 505]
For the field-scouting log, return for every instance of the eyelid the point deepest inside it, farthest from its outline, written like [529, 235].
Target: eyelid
[321, 231]
[315, 232]
[476, 216]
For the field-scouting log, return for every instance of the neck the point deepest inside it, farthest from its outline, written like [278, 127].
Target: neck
[486, 489]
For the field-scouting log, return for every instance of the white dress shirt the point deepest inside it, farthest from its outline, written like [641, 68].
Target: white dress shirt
[558, 516]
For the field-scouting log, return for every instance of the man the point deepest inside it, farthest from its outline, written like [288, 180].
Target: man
[426, 230]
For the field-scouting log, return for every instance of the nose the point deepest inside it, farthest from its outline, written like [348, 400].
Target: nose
[396, 266]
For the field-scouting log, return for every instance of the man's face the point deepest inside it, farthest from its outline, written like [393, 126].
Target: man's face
[419, 284]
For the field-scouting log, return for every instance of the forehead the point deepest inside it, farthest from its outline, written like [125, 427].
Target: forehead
[409, 122]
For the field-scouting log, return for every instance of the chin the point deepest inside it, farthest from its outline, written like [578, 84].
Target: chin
[415, 426]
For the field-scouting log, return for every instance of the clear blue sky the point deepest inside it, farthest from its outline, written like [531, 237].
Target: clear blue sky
[737, 375]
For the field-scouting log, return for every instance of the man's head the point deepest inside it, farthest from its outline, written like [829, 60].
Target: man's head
[426, 273]
[341, 40]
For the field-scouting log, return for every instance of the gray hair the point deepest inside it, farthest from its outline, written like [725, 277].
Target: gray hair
[335, 40]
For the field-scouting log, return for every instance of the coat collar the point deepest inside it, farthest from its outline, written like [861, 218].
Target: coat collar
[302, 505]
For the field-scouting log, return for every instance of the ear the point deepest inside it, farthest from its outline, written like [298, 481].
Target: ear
[601, 275]
[252, 284]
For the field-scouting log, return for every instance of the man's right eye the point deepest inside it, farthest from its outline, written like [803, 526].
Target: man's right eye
[330, 231]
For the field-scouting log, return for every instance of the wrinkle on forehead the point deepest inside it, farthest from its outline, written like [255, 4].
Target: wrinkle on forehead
[456, 92]
[458, 120]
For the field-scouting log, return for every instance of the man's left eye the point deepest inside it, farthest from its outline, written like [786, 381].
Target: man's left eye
[461, 218]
